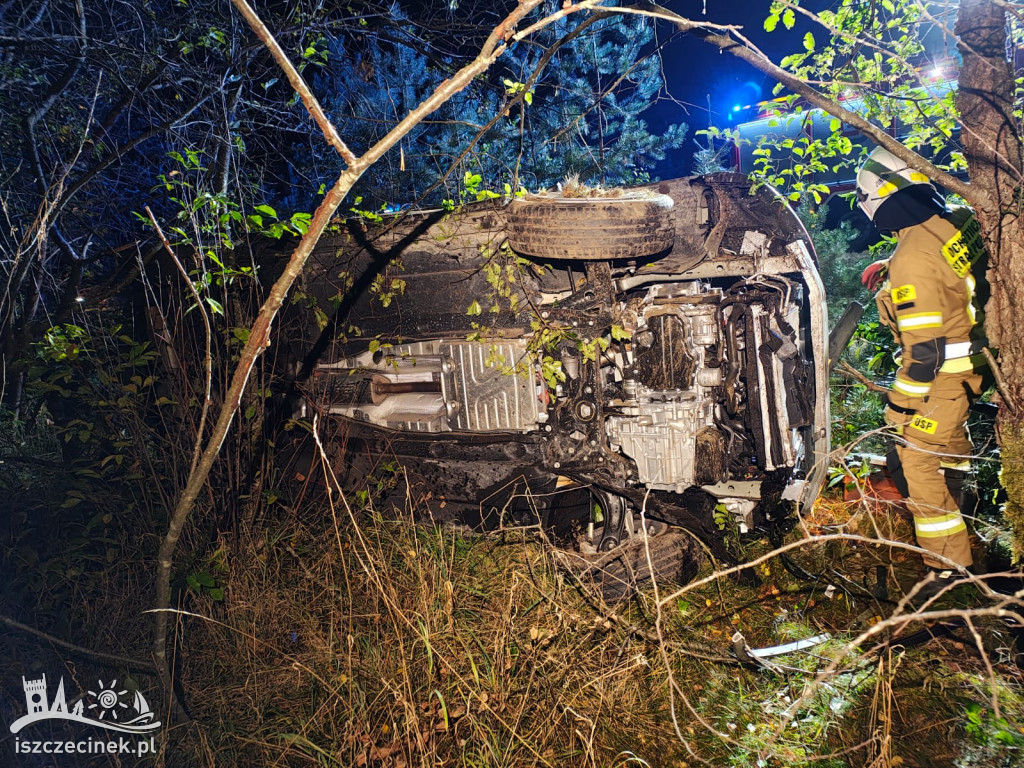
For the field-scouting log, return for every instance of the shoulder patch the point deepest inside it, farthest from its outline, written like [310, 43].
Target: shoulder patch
[964, 248]
[904, 293]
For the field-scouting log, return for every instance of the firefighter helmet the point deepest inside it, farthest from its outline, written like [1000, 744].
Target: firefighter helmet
[894, 195]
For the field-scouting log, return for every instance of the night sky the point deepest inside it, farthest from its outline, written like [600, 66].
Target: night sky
[704, 86]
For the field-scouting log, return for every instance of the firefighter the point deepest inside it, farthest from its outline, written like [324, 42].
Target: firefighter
[929, 298]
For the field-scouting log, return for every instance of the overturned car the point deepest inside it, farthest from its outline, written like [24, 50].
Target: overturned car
[612, 368]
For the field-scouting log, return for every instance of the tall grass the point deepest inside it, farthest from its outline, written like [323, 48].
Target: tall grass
[368, 639]
[417, 646]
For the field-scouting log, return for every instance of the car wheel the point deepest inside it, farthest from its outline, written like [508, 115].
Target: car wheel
[619, 573]
[628, 227]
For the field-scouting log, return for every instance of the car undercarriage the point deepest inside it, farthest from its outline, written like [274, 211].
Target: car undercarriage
[602, 367]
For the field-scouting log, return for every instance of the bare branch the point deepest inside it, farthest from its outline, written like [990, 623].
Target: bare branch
[297, 82]
[997, 373]
[849, 371]
[259, 335]
[517, 98]
[208, 361]
[107, 658]
[735, 45]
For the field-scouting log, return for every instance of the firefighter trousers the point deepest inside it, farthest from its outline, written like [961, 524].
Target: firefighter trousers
[936, 435]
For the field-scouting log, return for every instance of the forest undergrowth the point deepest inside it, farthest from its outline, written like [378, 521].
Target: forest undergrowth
[360, 636]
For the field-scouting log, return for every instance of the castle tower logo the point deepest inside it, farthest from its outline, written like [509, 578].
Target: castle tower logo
[106, 707]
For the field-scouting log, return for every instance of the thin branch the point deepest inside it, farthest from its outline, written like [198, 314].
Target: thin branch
[208, 361]
[674, 689]
[849, 371]
[297, 82]
[993, 685]
[109, 658]
[743, 50]
[259, 334]
[10, 41]
[993, 365]
[850, 537]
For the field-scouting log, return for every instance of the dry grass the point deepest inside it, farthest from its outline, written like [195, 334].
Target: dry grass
[366, 639]
[408, 645]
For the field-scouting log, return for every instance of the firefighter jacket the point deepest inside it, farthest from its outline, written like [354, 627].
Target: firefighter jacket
[933, 305]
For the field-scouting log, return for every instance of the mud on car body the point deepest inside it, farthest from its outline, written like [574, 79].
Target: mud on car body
[575, 361]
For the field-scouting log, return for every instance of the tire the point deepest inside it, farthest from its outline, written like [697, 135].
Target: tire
[633, 226]
[618, 574]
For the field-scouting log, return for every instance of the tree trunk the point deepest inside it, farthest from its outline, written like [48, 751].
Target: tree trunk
[992, 145]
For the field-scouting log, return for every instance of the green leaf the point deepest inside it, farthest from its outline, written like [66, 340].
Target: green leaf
[809, 41]
[300, 221]
[205, 579]
[216, 306]
[217, 594]
[788, 18]
[474, 308]
[835, 124]
[771, 22]
[619, 333]
[267, 210]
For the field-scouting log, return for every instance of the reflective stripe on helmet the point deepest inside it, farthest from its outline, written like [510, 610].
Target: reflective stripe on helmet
[880, 176]
[894, 183]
